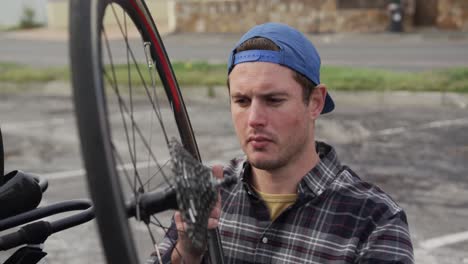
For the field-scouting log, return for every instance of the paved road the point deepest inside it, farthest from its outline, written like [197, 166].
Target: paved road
[419, 51]
[414, 146]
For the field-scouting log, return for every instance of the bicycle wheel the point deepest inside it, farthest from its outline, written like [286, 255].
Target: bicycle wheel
[2, 158]
[127, 104]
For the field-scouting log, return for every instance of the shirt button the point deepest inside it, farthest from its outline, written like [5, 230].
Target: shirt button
[265, 240]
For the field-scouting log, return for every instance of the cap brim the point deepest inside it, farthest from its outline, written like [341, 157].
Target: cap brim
[329, 104]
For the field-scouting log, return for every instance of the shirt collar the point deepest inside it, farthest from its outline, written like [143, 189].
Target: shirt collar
[317, 180]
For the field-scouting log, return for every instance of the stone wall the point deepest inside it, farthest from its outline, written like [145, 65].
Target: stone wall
[57, 13]
[453, 14]
[307, 15]
[426, 13]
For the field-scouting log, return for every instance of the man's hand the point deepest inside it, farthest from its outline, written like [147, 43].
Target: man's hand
[184, 252]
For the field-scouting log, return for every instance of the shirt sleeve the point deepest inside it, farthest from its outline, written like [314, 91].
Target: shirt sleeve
[389, 242]
[167, 245]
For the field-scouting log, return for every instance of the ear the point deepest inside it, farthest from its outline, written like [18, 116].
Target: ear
[317, 100]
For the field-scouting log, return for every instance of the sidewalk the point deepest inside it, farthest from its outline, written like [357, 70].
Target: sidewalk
[50, 34]
[416, 51]
[418, 34]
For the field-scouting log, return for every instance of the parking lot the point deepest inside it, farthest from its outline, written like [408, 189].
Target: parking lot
[413, 145]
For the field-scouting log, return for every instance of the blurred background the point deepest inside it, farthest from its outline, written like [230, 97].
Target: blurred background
[311, 16]
[398, 71]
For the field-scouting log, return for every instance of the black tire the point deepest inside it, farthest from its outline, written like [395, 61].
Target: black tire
[93, 106]
[2, 158]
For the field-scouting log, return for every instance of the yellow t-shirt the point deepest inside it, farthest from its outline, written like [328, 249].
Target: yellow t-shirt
[277, 203]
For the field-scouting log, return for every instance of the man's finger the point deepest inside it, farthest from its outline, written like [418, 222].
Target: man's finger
[212, 223]
[179, 222]
[216, 212]
[217, 171]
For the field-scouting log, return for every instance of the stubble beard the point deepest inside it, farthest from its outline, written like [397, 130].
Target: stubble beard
[268, 165]
[285, 155]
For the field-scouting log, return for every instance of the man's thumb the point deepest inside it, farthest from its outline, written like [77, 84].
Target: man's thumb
[217, 171]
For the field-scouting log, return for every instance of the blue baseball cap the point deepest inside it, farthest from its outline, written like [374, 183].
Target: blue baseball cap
[296, 52]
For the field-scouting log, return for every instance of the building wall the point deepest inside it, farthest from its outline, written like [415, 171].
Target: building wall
[306, 15]
[453, 14]
[11, 12]
[57, 12]
[426, 13]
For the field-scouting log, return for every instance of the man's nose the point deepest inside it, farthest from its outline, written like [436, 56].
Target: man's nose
[257, 114]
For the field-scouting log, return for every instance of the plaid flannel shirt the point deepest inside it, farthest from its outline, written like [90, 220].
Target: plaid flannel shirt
[337, 218]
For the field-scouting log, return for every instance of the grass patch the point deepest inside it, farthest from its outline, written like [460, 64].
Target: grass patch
[14, 73]
[208, 75]
[352, 79]
[187, 74]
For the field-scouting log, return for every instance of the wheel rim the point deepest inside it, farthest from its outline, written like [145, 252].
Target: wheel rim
[136, 117]
[140, 120]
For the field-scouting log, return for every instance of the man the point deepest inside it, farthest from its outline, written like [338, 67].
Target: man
[295, 202]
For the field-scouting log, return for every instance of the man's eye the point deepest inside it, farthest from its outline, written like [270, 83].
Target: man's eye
[275, 100]
[241, 101]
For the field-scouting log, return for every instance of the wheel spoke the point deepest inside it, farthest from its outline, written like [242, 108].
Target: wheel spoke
[130, 87]
[148, 93]
[114, 84]
[141, 163]
[154, 175]
[127, 176]
[140, 134]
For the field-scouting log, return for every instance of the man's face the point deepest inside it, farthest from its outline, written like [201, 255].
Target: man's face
[273, 124]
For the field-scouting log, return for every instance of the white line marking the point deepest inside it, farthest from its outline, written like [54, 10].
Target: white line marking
[446, 123]
[444, 240]
[80, 172]
[34, 124]
[391, 131]
[64, 174]
[433, 124]
[57, 121]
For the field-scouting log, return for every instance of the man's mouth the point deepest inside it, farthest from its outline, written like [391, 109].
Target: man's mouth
[258, 141]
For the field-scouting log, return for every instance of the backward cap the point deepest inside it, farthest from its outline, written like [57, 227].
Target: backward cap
[296, 52]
